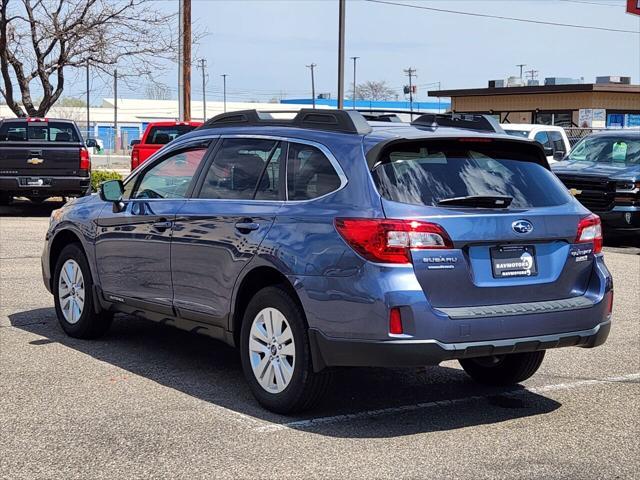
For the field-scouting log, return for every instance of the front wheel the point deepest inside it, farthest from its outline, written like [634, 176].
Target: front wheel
[72, 291]
[503, 369]
[276, 356]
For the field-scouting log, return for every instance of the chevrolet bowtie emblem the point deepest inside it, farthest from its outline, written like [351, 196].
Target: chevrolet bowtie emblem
[575, 191]
[35, 161]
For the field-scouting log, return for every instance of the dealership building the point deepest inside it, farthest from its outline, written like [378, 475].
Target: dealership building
[610, 102]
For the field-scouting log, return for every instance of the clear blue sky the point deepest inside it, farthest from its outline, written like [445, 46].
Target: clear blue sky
[264, 45]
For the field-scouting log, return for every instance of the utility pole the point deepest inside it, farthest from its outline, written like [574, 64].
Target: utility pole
[180, 61]
[533, 74]
[88, 98]
[521, 65]
[313, 84]
[354, 80]
[341, 15]
[115, 110]
[202, 63]
[186, 59]
[410, 72]
[224, 90]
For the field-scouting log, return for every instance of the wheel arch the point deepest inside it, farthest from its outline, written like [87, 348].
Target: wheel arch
[254, 280]
[61, 240]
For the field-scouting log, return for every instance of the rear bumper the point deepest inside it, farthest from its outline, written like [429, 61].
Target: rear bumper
[52, 186]
[330, 352]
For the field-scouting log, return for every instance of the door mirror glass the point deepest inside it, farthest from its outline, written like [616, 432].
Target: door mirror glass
[134, 142]
[558, 155]
[91, 143]
[111, 191]
[548, 151]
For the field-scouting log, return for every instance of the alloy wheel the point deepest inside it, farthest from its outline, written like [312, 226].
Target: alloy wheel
[272, 350]
[71, 292]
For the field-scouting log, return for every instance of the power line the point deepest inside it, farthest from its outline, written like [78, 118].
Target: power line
[593, 3]
[499, 17]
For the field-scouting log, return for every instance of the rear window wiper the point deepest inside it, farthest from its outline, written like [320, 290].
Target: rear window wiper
[480, 201]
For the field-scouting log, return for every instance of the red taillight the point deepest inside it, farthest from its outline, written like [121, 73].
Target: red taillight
[85, 161]
[395, 322]
[390, 241]
[135, 159]
[590, 230]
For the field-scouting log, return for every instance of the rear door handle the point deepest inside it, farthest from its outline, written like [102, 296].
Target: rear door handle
[247, 226]
[162, 225]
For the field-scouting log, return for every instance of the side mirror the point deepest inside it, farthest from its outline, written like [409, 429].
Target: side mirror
[558, 155]
[91, 143]
[548, 151]
[112, 191]
[134, 142]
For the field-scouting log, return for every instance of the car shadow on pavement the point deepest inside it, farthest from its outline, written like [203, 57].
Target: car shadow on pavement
[26, 208]
[210, 370]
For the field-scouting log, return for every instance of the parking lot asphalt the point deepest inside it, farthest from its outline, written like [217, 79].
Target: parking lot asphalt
[148, 401]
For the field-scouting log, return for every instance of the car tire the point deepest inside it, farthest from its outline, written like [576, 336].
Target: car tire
[504, 369]
[73, 296]
[5, 199]
[280, 382]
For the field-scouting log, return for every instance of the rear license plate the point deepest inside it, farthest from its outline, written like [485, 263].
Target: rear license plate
[34, 182]
[514, 261]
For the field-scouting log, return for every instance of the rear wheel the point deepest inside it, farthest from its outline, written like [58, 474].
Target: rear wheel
[72, 291]
[503, 369]
[276, 356]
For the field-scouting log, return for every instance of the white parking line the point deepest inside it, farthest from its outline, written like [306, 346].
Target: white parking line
[440, 403]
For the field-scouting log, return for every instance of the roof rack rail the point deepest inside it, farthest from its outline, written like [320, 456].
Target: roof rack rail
[344, 121]
[468, 121]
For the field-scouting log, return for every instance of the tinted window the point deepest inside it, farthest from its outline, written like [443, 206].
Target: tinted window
[518, 133]
[557, 142]
[163, 135]
[543, 138]
[238, 170]
[310, 174]
[616, 150]
[170, 178]
[424, 174]
[38, 132]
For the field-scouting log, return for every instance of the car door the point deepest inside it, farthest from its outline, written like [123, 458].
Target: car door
[219, 230]
[133, 245]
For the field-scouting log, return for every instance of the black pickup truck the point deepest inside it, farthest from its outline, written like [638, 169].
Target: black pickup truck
[42, 158]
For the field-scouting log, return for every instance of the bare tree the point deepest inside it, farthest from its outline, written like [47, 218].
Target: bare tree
[157, 91]
[372, 90]
[40, 40]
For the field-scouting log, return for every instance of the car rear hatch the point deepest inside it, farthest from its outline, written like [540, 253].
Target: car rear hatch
[509, 226]
[41, 148]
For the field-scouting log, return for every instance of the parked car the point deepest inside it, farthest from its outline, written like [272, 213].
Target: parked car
[42, 158]
[554, 139]
[156, 136]
[603, 173]
[325, 241]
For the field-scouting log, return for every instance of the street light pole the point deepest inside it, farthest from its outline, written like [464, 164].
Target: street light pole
[313, 84]
[115, 110]
[224, 91]
[341, 15]
[88, 99]
[202, 63]
[354, 80]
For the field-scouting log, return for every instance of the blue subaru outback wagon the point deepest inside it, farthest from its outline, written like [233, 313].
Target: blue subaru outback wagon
[326, 240]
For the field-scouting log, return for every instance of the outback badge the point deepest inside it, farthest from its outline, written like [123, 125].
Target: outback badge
[522, 226]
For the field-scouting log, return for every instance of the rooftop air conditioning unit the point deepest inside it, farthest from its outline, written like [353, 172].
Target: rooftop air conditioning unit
[614, 79]
[496, 83]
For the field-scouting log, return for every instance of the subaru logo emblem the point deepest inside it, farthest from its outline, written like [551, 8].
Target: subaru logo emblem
[522, 226]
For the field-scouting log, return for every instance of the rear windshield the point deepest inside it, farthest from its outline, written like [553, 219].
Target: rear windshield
[163, 135]
[38, 132]
[623, 150]
[425, 173]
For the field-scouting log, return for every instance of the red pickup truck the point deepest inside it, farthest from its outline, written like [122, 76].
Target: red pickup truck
[156, 136]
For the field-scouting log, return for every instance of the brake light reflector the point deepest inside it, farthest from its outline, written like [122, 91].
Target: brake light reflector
[395, 322]
[390, 241]
[590, 230]
[135, 158]
[85, 161]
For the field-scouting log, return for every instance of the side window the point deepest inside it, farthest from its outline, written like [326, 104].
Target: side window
[170, 178]
[243, 169]
[558, 142]
[543, 138]
[310, 174]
